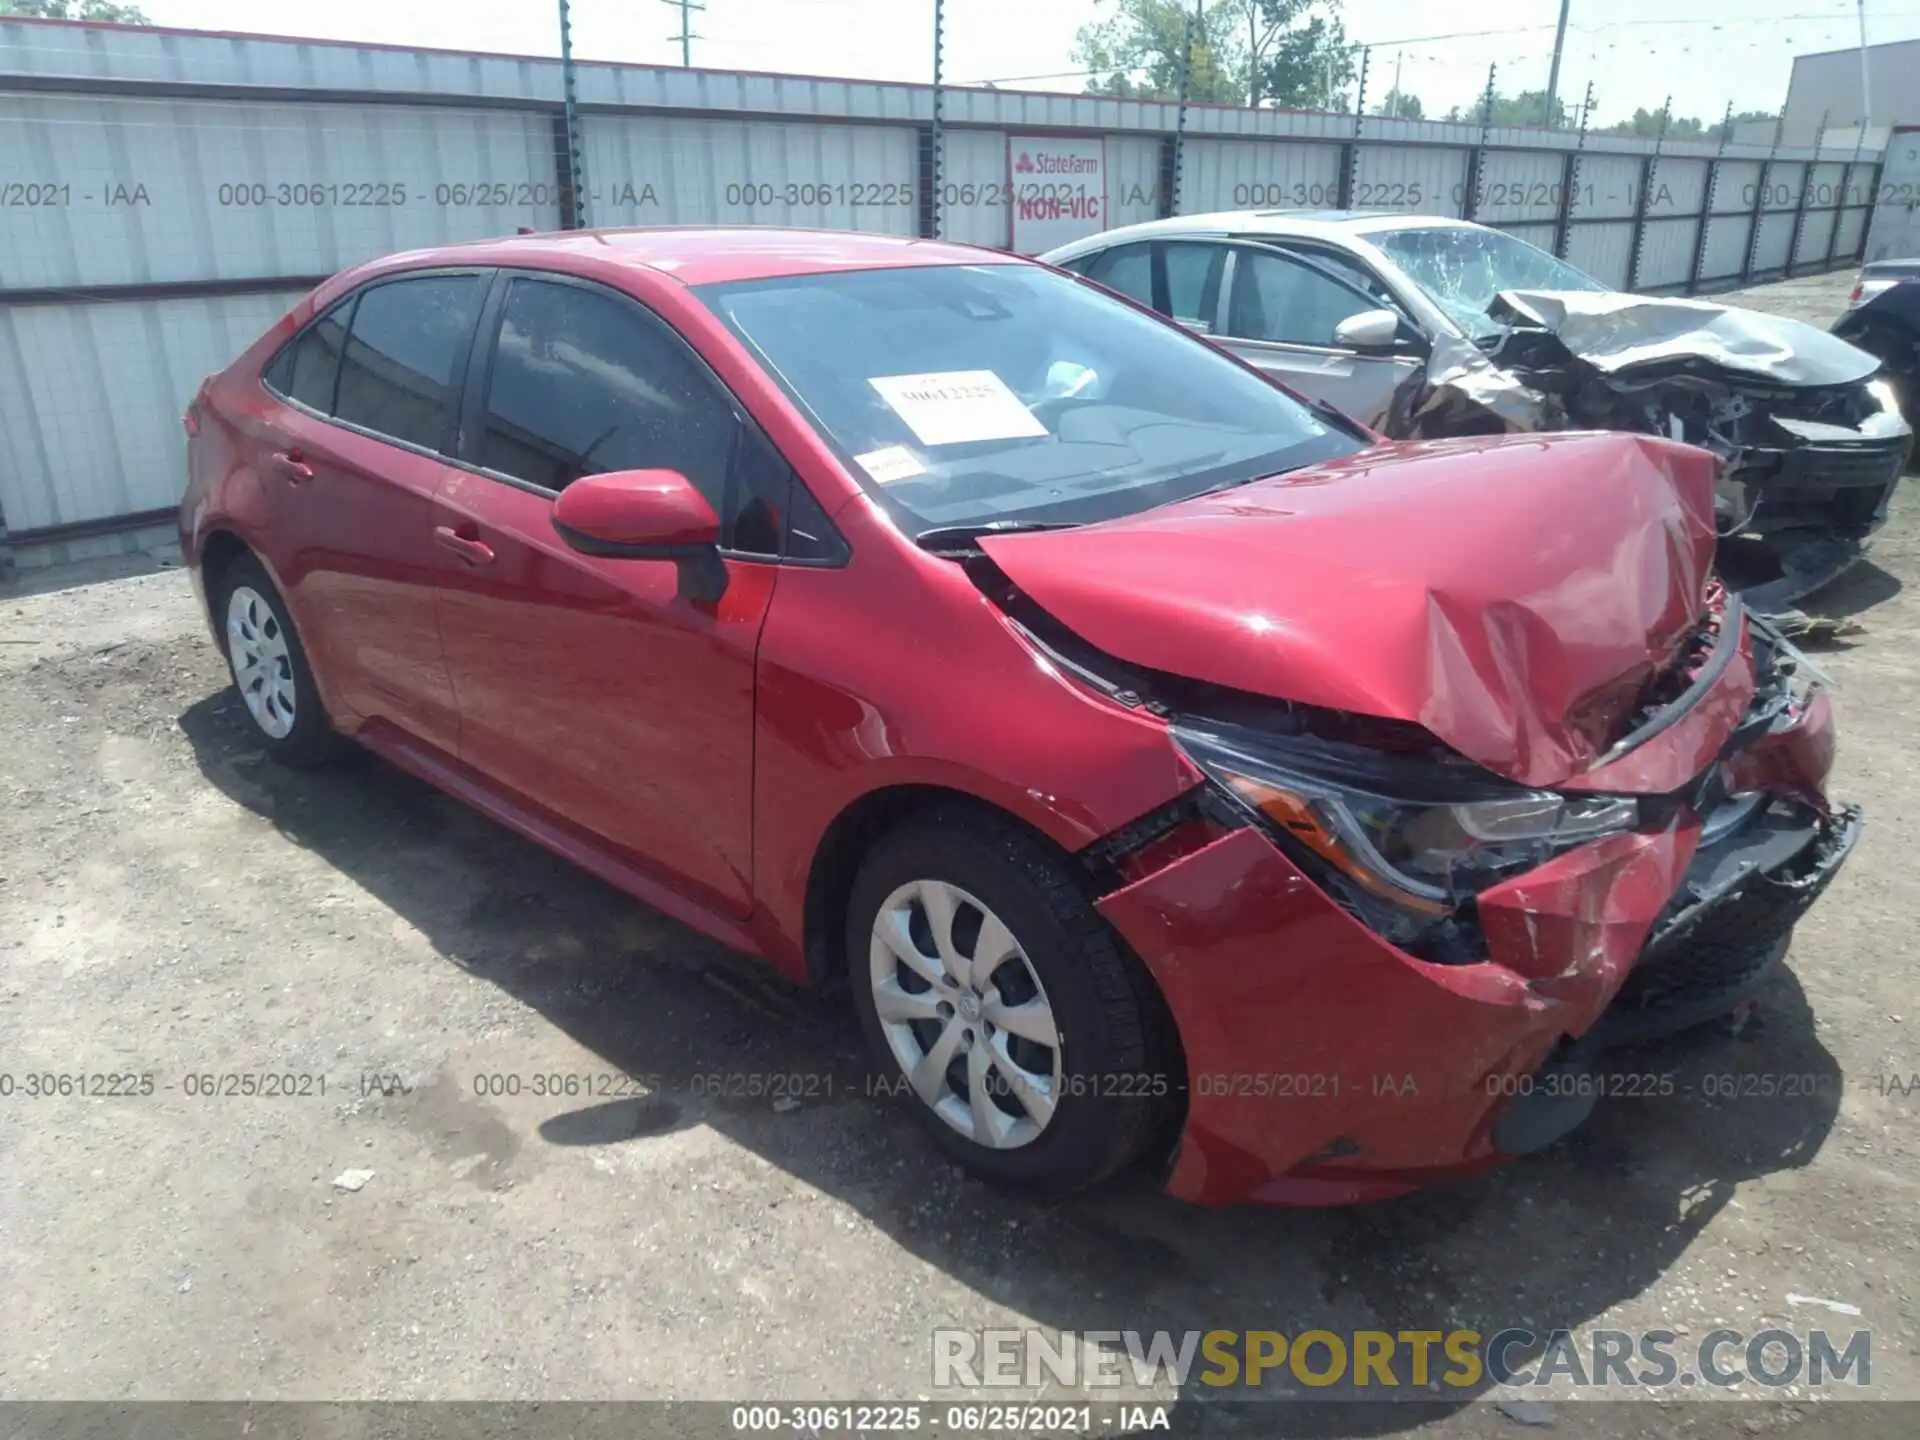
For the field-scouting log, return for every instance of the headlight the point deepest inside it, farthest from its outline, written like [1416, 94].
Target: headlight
[1883, 391]
[1419, 835]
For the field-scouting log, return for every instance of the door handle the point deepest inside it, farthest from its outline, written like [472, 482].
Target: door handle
[470, 549]
[289, 466]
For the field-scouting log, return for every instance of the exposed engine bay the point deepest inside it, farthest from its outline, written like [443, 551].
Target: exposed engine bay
[1811, 442]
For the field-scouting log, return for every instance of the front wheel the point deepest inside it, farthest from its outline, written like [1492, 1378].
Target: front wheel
[999, 1006]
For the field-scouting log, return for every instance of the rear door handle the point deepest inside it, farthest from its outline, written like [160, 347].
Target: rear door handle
[470, 549]
[289, 466]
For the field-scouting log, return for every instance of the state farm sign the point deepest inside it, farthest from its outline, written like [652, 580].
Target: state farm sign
[1059, 190]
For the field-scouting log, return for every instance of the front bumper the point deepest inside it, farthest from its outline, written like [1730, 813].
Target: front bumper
[1327, 1066]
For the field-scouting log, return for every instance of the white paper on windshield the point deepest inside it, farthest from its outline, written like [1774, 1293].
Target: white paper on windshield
[954, 407]
[890, 464]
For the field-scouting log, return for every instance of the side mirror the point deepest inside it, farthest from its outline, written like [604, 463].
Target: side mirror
[1370, 331]
[645, 515]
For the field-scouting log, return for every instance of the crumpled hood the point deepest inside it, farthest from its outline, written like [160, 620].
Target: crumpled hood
[1511, 595]
[1613, 332]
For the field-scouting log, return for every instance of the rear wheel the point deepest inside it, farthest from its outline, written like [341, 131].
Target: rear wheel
[999, 1005]
[269, 666]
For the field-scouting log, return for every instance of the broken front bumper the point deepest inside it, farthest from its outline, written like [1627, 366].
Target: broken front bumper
[1327, 1066]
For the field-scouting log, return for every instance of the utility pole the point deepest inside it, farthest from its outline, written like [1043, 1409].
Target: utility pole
[686, 37]
[1553, 71]
[1866, 85]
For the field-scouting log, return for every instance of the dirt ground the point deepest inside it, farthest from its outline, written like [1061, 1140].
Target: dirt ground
[173, 906]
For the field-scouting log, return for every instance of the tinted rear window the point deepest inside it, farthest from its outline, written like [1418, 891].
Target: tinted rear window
[401, 369]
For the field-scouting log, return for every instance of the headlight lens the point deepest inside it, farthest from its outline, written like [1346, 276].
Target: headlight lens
[1420, 836]
[1883, 391]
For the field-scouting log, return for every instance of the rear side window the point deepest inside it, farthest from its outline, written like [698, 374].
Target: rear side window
[404, 355]
[584, 383]
[1128, 269]
[306, 369]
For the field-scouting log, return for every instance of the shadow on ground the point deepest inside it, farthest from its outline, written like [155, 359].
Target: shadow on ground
[1552, 1241]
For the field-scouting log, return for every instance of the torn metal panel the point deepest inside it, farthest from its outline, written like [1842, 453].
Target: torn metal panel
[1614, 332]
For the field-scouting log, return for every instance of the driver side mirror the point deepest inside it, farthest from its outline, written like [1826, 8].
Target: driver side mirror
[645, 515]
[1372, 332]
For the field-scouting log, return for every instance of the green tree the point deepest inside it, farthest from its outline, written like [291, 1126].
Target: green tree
[75, 10]
[1529, 107]
[1281, 52]
[1133, 50]
[1397, 106]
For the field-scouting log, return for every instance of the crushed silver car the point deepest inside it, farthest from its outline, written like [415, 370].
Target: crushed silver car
[1427, 328]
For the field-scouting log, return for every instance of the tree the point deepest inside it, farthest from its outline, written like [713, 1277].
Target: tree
[1282, 52]
[1306, 63]
[1135, 52]
[1529, 107]
[1397, 106]
[75, 10]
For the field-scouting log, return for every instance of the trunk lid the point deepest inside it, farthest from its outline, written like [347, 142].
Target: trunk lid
[1513, 596]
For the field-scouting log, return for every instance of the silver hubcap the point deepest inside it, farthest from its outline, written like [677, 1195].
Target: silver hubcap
[965, 1014]
[262, 668]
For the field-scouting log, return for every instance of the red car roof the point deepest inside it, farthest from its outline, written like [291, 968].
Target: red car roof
[700, 255]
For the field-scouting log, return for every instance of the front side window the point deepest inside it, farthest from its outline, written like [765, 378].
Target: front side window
[1193, 281]
[404, 353]
[1278, 298]
[1128, 269]
[1462, 268]
[970, 395]
[584, 383]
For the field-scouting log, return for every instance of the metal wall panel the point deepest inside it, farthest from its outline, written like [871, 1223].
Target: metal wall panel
[1666, 252]
[1517, 186]
[1607, 186]
[1244, 175]
[1540, 235]
[175, 190]
[1853, 224]
[1816, 233]
[973, 188]
[672, 170]
[1776, 233]
[1602, 250]
[1739, 179]
[1784, 183]
[1679, 187]
[1828, 184]
[65, 454]
[1726, 246]
[1423, 180]
[1133, 179]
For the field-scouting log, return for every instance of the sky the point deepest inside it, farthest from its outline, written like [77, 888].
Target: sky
[1703, 53]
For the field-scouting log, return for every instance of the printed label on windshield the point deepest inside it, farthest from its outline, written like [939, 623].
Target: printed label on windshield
[955, 407]
[890, 464]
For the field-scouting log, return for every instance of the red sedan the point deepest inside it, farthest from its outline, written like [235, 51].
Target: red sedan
[1165, 767]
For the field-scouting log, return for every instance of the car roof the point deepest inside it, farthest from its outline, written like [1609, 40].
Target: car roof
[1299, 224]
[700, 255]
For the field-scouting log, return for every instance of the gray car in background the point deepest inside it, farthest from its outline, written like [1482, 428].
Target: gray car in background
[1427, 328]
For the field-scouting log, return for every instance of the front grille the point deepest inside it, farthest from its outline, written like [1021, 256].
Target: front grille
[1843, 467]
[1729, 924]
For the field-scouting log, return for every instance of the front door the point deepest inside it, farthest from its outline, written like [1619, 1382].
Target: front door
[594, 687]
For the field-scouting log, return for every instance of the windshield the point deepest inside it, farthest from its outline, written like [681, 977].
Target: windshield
[1463, 268]
[1009, 394]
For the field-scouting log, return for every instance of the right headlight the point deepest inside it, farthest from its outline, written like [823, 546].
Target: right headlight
[1420, 836]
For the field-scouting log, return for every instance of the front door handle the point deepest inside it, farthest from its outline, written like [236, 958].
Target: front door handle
[290, 466]
[471, 549]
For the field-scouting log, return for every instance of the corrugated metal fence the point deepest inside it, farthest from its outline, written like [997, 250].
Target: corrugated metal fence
[165, 195]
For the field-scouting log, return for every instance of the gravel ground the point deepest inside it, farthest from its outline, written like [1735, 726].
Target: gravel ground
[173, 906]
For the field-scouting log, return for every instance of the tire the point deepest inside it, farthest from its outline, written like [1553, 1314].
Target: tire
[1107, 1093]
[269, 667]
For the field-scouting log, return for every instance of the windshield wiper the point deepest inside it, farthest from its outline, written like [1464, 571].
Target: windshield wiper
[959, 539]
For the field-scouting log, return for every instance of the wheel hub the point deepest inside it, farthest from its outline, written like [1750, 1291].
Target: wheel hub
[965, 1015]
[262, 663]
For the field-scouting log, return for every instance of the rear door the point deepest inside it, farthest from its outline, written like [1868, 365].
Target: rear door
[594, 687]
[351, 463]
[1280, 313]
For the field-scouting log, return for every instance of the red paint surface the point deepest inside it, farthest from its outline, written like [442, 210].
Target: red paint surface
[1510, 596]
[638, 507]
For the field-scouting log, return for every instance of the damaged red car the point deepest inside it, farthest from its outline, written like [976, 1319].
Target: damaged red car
[1166, 769]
